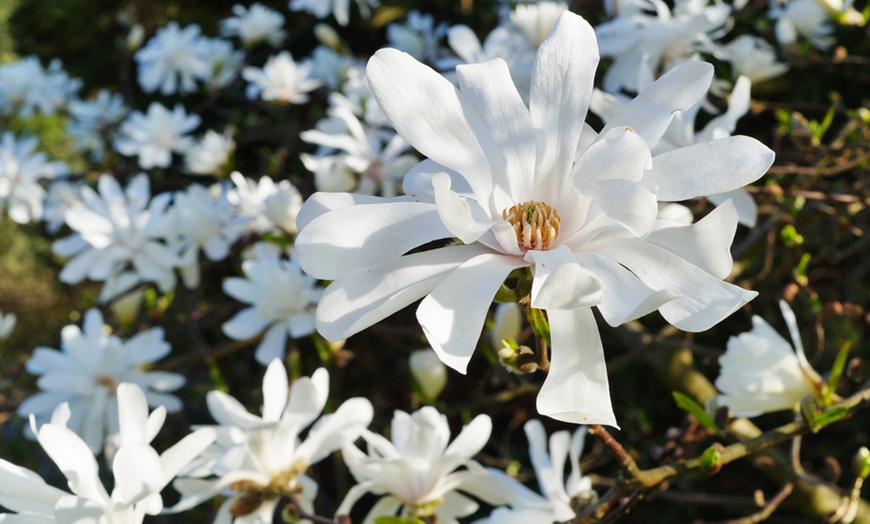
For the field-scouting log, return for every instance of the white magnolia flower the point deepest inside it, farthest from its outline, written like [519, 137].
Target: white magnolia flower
[340, 9]
[27, 88]
[224, 63]
[378, 158]
[642, 42]
[21, 169]
[254, 25]
[119, 238]
[7, 325]
[154, 136]
[418, 472]
[559, 496]
[86, 371]
[761, 372]
[204, 220]
[752, 57]
[173, 60]
[281, 80]
[535, 21]
[140, 473]
[806, 18]
[94, 122]
[282, 300]
[61, 196]
[418, 36]
[268, 204]
[330, 66]
[429, 373]
[210, 155]
[260, 458]
[502, 178]
[682, 133]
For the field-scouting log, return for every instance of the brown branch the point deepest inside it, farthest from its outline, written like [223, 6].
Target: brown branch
[766, 511]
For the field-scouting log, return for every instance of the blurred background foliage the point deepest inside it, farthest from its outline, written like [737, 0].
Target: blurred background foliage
[811, 247]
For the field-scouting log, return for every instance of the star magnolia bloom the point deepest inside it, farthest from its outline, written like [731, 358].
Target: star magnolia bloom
[140, 473]
[256, 458]
[155, 135]
[416, 469]
[21, 169]
[86, 372]
[282, 302]
[760, 371]
[502, 178]
[117, 231]
[558, 496]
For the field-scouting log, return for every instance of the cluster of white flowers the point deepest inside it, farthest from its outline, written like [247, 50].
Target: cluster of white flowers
[27, 88]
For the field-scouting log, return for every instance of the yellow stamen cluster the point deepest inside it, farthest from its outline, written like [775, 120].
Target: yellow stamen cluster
[535, 223]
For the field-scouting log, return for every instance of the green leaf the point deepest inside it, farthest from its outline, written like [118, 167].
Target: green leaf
[397, 520]
[217, 378]
[696, 410]
[837, 371]
[540, 324]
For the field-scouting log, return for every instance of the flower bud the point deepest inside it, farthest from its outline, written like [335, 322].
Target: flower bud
[7, 324]
[429, 373]
[327, 36]
[862, 463]
[126, 307]
[135, 37]
[507, 323]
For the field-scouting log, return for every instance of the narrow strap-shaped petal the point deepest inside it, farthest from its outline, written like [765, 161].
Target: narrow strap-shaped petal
[576, 389]
[560, 282]
[358, 236]
[452, 315]
[562, 79]
[424, 108]
[361, 298]
[707, 168]
[651, 112]
[503, 128]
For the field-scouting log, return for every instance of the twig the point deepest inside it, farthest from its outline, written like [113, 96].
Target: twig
[766, 511]
[616, 448]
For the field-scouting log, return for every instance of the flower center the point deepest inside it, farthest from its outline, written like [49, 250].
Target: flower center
[535, 223]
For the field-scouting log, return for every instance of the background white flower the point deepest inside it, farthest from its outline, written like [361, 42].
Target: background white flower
[204, 220]
[281, 80]
[21, 169]
[119, 238]
[94, 122]
[271, 206]
[760, 372]
[417, 472]
[140, 473]
[263, 457]
[155, 135]
[340, 9]
[173, 60]
[210, 155]
[282, 301]
[86, 372]
[255, 24]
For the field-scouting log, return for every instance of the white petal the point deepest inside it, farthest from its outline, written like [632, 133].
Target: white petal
[75, 460]
[464, 218]
[176, 458]
[452, 315]
[703, 300]
[708, 168]
[576, 388]
[706, 243]
[275, 390]
[503, 128]
[138, 473]
[625, 297]
[322, 202]
[424, 108]
[334, 431]
[562, 78]
[245, 324]
[273, 345]
[472, 438]
[356, 237]
[629, 203]
[747, 209]
[561, 283]
[651, 112]
[359, 299]
[227, 411]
